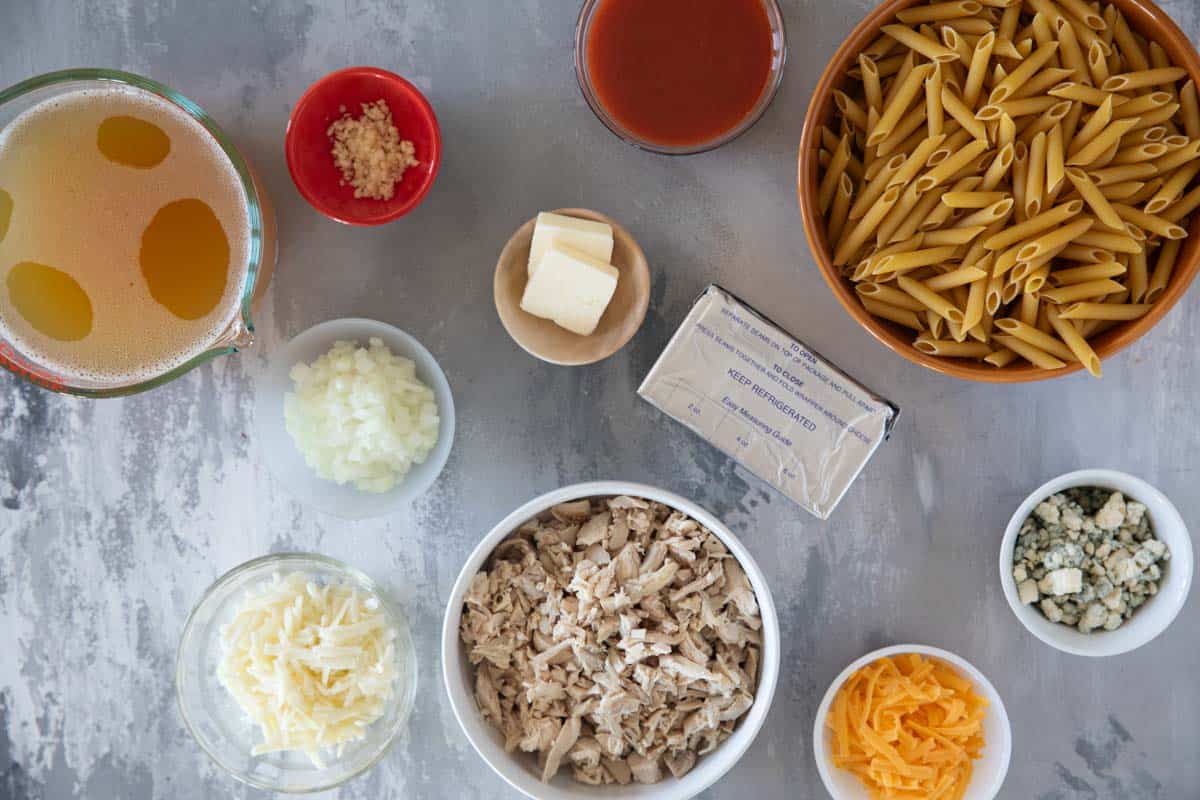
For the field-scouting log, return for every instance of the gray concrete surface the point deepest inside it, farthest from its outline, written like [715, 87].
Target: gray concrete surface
[114, 516]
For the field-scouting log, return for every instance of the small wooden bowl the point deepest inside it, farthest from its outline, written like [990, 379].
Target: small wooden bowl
[547, 341]
[1145, 17]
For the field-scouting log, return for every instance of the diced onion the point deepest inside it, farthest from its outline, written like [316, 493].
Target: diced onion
[360, 415]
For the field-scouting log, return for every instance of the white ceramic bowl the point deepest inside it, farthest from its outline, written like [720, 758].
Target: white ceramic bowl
[989, 771]
[1148, 621]
[287, 464]
[520, 769]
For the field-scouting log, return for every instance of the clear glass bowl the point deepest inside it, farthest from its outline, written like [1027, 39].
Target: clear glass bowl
[218, 724]
[774, 78]
[262, 251]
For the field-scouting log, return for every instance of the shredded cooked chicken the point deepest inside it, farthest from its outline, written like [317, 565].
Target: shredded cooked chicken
[616, 636]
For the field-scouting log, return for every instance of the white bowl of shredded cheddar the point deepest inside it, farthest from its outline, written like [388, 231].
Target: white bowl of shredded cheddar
[912, 721]
[295, 673]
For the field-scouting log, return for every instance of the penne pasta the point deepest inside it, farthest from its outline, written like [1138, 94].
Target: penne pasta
[962, 114]
[927, 47]
[935, 117]
[954, 236]
[1086, 254]
[1055, 159]
[1149, 222]
[1189, 110]
[1110, 136]
[1032, 336]
[1095, 199]
[1083, 93]
[1007, 178]
[839, 214]
[1080, 291]
[857, 237]
[1116, 242]
[958, 277]
[977, 70]
[1139, 276]
[951, 349]
[833, 174]
[1129, 172]
[1141, 106]
[914, 258]
[1088, 272]
[1163, 268]
[943, 171]
[1108, 311]
[1172, 188]
[1096, 123]
[972, 199]
[1029, 66]
[1000, 358]
[900, 316]
[883, 293]
[1130, 50]
[1035, 178]
[931, 300]
[876, 187]
[1143, 79]
[1078, 345]
[871, 82]
[1034, 355]
[1044, 221]
[1122, 191]
[896, 107]
[986, 216]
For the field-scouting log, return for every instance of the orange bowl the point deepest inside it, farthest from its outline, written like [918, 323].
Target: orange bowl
[1145, 17]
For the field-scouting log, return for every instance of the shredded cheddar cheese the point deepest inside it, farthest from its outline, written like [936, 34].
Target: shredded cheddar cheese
[909, 728]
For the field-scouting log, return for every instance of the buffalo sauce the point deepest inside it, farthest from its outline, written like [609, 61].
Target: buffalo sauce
[679, 73]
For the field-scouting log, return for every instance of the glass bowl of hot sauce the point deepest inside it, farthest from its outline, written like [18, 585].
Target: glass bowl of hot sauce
[679, 76]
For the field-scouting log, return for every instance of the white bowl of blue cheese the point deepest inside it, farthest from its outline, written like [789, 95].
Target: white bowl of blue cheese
[1096, 562]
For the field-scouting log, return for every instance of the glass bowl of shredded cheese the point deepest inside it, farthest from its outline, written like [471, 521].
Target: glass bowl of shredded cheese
[295, 672]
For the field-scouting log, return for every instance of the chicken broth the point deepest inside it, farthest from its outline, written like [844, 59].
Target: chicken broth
[124, 235]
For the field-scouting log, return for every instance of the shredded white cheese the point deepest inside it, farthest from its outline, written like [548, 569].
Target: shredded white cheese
[312, 665]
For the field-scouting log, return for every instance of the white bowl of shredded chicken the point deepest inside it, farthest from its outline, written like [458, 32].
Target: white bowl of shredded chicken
[295, 673]
[354, 418]
[610, 639]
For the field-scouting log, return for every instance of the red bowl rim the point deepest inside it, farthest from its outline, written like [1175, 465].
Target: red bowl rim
[435, 158]
[1108, 344]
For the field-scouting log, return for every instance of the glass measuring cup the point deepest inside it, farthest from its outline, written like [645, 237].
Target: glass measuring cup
[260, 253]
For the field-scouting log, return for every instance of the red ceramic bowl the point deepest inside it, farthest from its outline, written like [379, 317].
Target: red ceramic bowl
[308, 148]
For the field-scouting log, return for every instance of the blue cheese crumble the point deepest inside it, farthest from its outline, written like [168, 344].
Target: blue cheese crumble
[1087, 557]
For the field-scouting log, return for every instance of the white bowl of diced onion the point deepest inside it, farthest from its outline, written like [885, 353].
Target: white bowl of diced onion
[280, 449]
[217, 719]
[1149, 620]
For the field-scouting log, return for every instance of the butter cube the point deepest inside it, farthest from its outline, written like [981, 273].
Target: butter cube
[593, 238]
[571, 288]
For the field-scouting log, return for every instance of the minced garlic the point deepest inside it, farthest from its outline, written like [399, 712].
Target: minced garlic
[369, 151]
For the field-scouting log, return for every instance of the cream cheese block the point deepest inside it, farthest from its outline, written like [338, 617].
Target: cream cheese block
[571, 288]
[593, 238]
